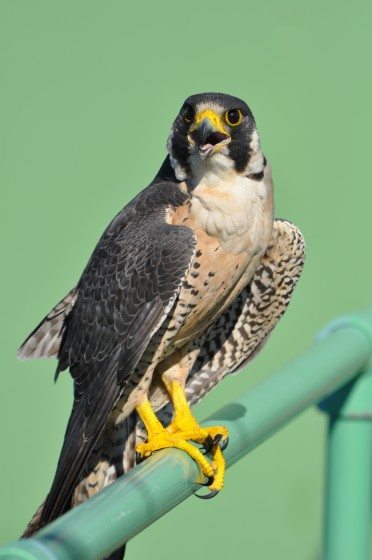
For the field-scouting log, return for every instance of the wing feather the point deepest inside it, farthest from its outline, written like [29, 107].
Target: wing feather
[132, 278]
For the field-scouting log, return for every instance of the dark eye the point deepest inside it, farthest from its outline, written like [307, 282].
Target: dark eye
[188, 114]
[233, 117]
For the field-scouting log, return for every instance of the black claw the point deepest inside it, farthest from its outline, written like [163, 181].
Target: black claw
[224, 444]
[139, 458]
[207, 496]
[210, 480]
[217, 438]
[208, 444]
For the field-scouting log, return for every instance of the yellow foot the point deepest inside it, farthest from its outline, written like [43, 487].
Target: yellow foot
[218, 479]
[180, 432]
[165, 440]
[190, 430]
[214, 439]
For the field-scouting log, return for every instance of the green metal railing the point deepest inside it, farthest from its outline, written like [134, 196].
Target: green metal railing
[336, 372]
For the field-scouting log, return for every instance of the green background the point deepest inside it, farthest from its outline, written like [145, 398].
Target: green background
[88, 93]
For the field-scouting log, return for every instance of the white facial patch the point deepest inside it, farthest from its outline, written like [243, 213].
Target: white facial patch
[179, 171]
[256, 159]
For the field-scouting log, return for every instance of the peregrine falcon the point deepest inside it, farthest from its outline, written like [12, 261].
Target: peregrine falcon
[184, 286]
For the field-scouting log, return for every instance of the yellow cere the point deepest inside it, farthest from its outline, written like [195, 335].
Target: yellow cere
[215, 119]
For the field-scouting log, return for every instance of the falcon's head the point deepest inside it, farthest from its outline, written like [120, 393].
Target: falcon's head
[214, 130]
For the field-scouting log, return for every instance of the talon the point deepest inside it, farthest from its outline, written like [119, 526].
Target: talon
[208, 444]
[219, 435]
[210, 480]
[224, 443]
[217, 438]
[208, 496]
[139, 458]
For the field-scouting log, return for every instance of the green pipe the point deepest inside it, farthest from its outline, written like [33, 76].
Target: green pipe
[349, 471]
[160, 483]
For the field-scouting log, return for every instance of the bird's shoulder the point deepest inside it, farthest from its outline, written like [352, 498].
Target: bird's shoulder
[151, 203]
[141, 231]
[138, 264]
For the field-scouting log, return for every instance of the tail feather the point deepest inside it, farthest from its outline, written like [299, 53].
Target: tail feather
[34, 524]
[45, 339]
[113, 456]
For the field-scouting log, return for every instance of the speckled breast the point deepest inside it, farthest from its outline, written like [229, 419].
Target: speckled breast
[215, 278]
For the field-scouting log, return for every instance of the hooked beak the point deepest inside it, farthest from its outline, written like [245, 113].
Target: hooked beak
[208, 134]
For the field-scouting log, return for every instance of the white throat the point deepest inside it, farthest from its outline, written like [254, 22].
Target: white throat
[228, 205]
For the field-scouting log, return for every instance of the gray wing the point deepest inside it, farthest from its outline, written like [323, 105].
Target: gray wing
[242, 330]
[123, 296]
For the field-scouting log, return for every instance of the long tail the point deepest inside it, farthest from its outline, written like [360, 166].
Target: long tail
[113, 455]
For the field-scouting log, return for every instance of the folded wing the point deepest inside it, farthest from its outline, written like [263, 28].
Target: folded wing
[104, 327]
